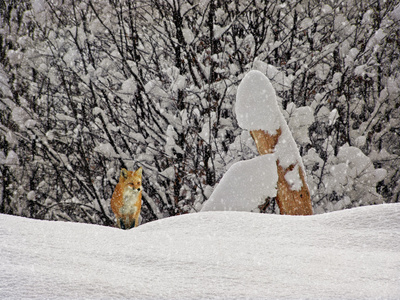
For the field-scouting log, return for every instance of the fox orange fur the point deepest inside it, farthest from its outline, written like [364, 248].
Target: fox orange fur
[126, 201]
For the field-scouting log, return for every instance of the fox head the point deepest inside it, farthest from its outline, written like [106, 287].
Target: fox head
[131, 179]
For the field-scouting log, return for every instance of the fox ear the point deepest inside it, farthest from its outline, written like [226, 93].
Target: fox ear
[139, 172]
[124, 173]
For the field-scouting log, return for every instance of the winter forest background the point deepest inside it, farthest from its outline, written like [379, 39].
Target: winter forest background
[88, 87]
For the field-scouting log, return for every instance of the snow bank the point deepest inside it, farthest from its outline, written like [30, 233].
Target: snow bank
[351, 254]
[245, 185]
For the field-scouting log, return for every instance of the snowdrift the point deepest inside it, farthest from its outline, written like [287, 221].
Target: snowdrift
[352, 254]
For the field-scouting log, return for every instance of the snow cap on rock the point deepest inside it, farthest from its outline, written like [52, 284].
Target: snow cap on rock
[256, 107]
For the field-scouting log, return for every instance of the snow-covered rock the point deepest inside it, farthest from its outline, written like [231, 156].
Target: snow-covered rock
[257, 108]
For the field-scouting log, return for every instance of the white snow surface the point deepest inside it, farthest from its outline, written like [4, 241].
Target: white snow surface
[245, 185]
[350, 254]
[256, 106]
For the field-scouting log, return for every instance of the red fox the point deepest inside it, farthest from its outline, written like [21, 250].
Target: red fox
[126, 200]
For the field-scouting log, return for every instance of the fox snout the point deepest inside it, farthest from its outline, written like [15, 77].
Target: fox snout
[133, 188]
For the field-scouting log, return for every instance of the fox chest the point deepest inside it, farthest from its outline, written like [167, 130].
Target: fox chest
[131, 202]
